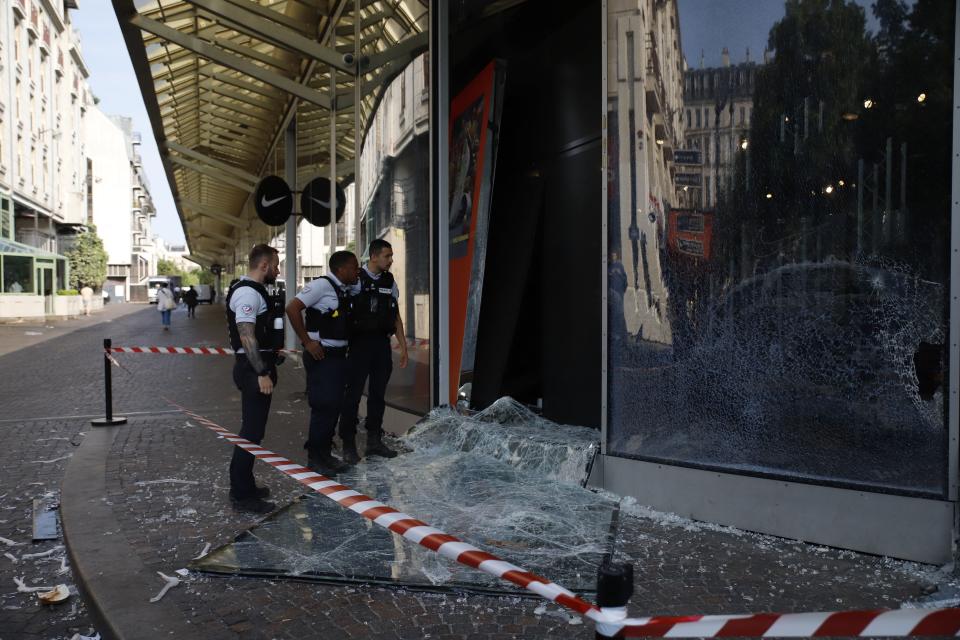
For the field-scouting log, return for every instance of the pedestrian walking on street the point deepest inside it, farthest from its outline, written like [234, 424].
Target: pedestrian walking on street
[375, 318]
[324, 337]
[253, 339]
[166, 303]
[192, 300]
[86, 296]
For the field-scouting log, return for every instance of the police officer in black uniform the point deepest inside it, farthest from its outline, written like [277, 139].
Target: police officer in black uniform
[376, 317]
[255, 335]
[324, 337]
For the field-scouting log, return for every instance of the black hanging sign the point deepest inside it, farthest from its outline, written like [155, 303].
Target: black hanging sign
[315, 202]
[273, 201]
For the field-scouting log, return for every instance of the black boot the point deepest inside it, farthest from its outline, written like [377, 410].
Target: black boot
[323, 462]
[350, 455]
[376, 447]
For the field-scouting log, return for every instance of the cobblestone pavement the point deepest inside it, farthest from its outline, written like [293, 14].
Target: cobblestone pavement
[167, 485]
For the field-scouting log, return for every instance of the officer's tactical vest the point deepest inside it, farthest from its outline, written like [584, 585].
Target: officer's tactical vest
[267, 336]
[333, 324]
[375, 308]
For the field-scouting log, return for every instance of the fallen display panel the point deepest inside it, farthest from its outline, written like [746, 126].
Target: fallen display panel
[504, 480]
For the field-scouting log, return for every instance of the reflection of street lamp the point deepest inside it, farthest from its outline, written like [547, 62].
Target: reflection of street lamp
[769, 196]
[660, 141]
[841, 183]
[744, 144]
[922, 98]
[868, 104]
[829, 189]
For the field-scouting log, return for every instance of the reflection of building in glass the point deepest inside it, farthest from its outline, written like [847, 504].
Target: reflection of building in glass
[644, 107]
[395, 190]
[718, 103]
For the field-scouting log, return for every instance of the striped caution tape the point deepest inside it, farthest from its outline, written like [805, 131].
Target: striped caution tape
[197, 351]
[611, 622]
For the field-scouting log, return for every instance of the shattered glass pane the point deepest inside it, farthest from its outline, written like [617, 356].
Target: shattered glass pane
[504, 480]
[778, 301]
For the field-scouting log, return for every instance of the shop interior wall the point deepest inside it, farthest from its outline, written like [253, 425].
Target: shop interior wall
[540, 320]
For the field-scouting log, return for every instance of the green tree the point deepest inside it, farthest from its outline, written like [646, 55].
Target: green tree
[167, 268]
[88, 260]
[912, 96]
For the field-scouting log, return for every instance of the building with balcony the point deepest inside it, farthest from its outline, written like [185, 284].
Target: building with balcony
[44, 98]
[717, 105]
[645, 69]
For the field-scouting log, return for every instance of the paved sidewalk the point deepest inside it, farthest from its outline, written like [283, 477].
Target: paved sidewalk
[25, 333]
[164, 498]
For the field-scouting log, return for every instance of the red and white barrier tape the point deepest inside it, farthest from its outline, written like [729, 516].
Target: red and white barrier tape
[610, 622]
[197, 351]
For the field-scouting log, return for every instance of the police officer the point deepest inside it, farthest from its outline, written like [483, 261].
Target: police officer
[324, 337]
[254, 340]
[375, 319]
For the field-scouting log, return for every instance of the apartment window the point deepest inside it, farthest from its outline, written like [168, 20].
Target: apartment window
[699, 123]
[707, 190]
[706, 116]
[743, 115]
[403, 94]
[89, 189]
[6, 218]
[688, 119]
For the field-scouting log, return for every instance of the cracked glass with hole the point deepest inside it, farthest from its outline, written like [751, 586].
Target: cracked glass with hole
[779, 238]
[503, 480]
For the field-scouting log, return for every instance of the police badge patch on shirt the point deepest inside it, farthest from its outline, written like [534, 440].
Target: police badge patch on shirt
[388, 292]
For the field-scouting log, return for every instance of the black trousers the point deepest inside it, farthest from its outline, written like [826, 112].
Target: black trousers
[370, 357]
[325, 383]
[255, 407]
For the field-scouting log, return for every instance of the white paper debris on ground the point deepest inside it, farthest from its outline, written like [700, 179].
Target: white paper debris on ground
[12, 557]
[77, 636]
[23, 588]
[183, 573]
[56, 595]
[170, 583]
[50, 461]
[144, 483]
[42, 554]
[9, 543]
[206, 550]
[63, 566]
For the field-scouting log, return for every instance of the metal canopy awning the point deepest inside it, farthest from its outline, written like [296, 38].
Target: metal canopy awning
[222, 79]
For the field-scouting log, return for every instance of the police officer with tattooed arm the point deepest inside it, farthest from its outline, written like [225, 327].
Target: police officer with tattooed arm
[256, 333]
[327, 303]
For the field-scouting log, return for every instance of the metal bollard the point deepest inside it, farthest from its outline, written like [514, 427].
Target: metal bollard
[614, 588]
[110, 420]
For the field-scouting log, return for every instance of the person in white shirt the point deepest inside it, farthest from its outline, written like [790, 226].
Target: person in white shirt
[166, 303]
[376, 317]
[324, 337]
[249, 322]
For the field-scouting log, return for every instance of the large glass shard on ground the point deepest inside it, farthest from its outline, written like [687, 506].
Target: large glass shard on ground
[504, 480]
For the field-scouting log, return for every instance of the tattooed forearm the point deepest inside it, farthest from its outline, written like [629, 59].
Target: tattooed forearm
[248, 339]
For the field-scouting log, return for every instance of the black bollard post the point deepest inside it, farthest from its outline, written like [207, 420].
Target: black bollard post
[614, 588]
[110, 420]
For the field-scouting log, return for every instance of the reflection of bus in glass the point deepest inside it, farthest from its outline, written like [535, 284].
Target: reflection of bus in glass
[173, 282]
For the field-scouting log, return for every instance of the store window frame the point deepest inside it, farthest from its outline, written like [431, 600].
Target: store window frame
[951, 482]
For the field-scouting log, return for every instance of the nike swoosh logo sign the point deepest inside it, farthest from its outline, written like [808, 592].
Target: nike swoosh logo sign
[322, 203]
[269, 203]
